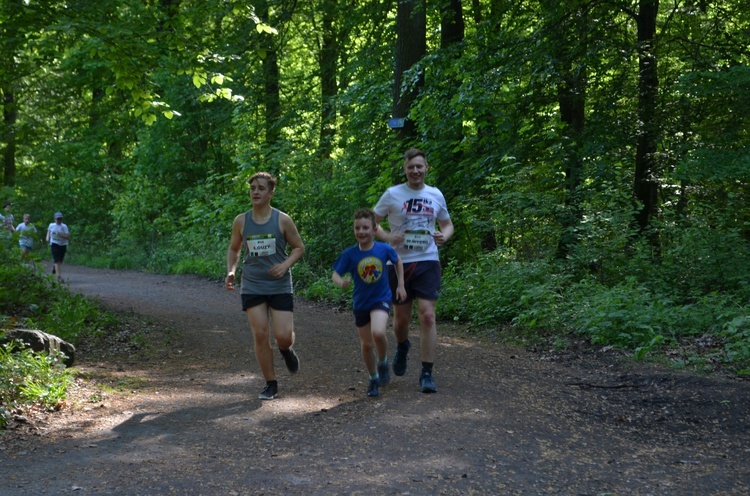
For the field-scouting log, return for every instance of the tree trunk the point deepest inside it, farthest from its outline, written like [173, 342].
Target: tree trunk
[645, 186]
[568, 41]
[11, 41]
[411, 46]
[476, 10]
[451, 23]
[329, 89]
[10, 115]
[451, 41]
[572, 100]
[271, 95]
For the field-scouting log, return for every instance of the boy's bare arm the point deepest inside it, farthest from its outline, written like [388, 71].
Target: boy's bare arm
[341, 282]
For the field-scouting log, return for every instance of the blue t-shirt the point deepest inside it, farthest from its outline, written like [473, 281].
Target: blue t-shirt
[368, 273]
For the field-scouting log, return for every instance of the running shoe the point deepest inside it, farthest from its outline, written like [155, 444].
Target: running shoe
[385, 374]
[427, 383]
[291, 360]
[399, 360]
[372, 390]
[269, 392]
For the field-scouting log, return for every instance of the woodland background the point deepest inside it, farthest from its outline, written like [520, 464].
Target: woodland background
[594, 154]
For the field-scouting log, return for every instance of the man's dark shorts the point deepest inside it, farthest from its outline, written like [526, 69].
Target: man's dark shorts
[58, 252]
[421, 280]
[362, 317]
[280, 302]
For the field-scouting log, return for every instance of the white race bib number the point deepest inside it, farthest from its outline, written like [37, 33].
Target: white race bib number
[417, 240]
[261, 245]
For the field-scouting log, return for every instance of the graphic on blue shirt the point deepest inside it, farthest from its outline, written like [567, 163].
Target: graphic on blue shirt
[370, 269]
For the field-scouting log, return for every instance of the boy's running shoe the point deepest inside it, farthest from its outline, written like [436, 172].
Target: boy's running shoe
[372, 390]
[385, 374]
[399, 360]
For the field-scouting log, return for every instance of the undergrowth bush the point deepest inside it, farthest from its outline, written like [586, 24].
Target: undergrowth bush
[627, 315]
[492, 291]
[633, 316]
[28, 378]
[316, 285]
[36, 301]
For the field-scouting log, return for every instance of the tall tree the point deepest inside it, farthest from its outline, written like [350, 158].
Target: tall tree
[566, 35]
[645, 187]
[328, 61]
[451, 39]
[11, 41]
[451, 23]
[272, 97]
[10, 115]
[452, 32]
[411, 47]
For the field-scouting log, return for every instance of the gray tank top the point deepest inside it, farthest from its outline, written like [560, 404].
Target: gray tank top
[265, 246]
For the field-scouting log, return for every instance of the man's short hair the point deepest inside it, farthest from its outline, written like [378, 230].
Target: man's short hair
[270, 180]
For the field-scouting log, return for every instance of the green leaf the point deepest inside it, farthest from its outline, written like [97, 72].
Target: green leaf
[199, 79]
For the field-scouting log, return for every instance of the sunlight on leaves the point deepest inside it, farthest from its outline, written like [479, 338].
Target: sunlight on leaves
[199, 79]
[265, 28]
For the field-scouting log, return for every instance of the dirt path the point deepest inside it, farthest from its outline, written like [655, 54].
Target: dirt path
[504, 421]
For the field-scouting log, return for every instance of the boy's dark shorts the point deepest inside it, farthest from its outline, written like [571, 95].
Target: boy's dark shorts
[362, 317]
[421, 280]
[280, 302]
[58, 252]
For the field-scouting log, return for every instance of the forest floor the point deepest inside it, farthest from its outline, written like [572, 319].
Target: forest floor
[177, 413]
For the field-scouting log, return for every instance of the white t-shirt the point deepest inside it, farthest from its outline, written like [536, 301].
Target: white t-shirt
[26, 239]
[54, 230]
[414, 213]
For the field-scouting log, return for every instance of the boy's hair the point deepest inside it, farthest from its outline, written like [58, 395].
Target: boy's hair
[270, 180]
[365, 213]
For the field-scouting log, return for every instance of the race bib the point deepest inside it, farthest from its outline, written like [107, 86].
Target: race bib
[261, 245]
[417, 240]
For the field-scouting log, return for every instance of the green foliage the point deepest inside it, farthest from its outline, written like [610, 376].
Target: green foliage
[497, 291]
[323, 290]
[28, 378]
[315, 284]
[627, 315]
[34, 298]
[70, 317]
[736, 334]
[701, 261]
[631, 316]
